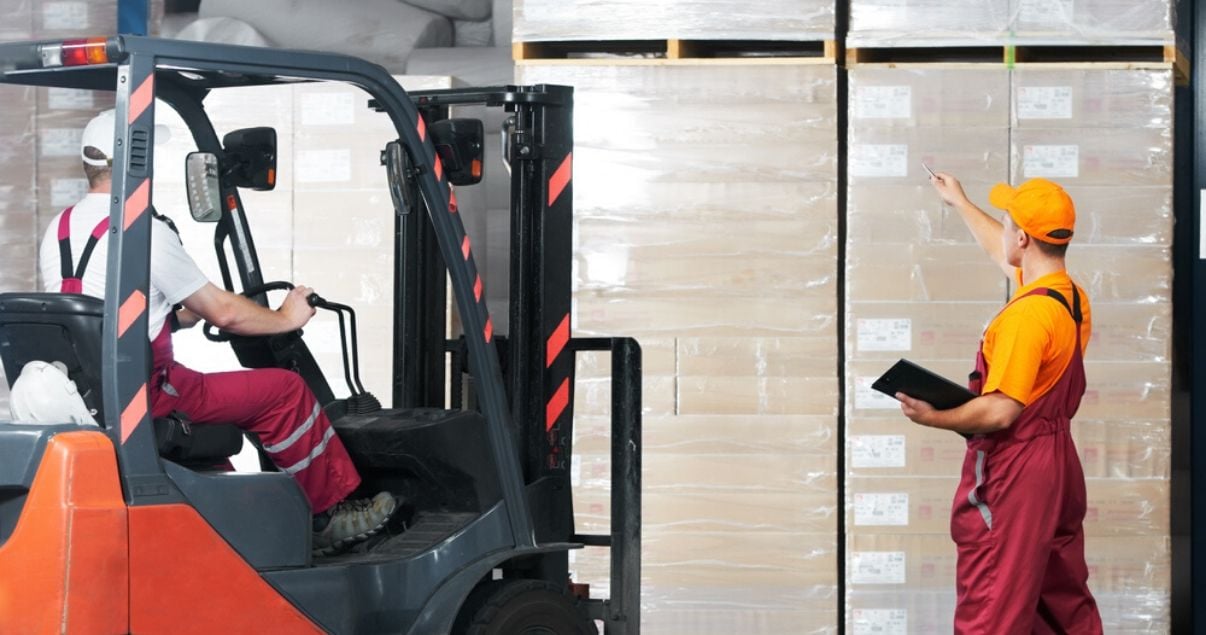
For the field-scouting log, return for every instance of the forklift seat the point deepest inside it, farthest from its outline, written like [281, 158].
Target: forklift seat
[66, 327]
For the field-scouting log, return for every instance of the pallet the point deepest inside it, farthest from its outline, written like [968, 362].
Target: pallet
[675, 51]
[1125, 56]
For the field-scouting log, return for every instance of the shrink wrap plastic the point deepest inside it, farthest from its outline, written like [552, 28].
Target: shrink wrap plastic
[919, 287]
[537, 20]
[876, 23]
[706, 227]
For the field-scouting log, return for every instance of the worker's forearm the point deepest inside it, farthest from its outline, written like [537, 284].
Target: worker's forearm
[981, 415]
[985, 228]
[246, 317]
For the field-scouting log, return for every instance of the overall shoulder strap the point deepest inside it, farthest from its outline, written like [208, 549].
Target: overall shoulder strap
[65, 268]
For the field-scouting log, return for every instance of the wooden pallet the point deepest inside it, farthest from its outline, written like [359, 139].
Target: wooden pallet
[1152, 56]
[674, 51]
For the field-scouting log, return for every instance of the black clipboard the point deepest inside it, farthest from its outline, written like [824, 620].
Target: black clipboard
[917, 382]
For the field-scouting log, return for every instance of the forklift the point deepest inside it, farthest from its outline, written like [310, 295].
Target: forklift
[130, 527]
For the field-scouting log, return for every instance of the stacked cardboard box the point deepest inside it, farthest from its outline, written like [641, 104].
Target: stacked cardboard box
[705, 217]
[980, 22]
[1106, 135]
[919, 287]
[536, 20]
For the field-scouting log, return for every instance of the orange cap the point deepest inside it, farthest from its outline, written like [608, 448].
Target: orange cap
[1041, 208]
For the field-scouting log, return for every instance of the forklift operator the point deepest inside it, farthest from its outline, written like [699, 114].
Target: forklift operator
[274, 404]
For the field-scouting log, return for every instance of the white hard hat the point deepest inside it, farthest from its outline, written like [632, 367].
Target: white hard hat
[99, 134]
[44, 394]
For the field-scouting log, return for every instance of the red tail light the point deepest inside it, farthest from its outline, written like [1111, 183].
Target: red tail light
[83, 52]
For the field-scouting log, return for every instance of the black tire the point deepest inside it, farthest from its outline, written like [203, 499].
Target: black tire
[522, 607]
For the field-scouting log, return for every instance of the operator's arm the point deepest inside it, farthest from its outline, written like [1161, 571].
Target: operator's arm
[985, 228]
[236, 314]
[987, 413]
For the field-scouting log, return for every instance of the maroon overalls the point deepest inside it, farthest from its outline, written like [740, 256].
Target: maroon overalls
[1018, 513]
[273, 403]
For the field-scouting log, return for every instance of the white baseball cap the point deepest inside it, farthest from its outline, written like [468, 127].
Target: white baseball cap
[99, 134]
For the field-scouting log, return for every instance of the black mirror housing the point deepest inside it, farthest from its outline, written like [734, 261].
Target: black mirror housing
[250, 159]
[460, 143]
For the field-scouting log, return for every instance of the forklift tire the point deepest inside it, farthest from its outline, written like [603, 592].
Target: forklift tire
[522, 607]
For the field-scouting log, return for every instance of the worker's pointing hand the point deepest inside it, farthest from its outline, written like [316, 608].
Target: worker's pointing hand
[915, 409]
[296, 307]
[949, 189]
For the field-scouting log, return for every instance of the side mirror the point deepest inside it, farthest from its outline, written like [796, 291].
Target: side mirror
[461, 146]
[251, 158]
[204, 191]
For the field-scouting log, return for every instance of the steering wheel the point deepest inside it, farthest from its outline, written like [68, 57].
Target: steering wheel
[215, 335]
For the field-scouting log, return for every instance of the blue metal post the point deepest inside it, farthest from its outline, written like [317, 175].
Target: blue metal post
[133, 17]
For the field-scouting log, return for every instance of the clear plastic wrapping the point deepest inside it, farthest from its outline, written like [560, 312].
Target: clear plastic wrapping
[981, 22]
[919, 287]
[536, 20]
[706, 227]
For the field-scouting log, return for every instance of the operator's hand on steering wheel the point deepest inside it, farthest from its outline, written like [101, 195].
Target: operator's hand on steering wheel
[296, 307]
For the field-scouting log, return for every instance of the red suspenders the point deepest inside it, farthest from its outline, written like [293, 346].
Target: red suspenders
[73, 279]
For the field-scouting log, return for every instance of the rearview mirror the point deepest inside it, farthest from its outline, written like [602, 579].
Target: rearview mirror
[460, 144]
[251, 158]
[204, 191]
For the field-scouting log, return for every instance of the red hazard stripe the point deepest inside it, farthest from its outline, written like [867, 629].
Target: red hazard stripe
[452, 206]
[439, 169]
[557, 341]
[489, 330]
[133, 413]
[130, 310]
[556, 405]
[422, 126]
[140, 99]
[136, 204]
[561, 178]
[465, 247]
[477, 289]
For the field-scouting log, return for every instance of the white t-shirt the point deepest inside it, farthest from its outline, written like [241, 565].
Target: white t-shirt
[174, 275]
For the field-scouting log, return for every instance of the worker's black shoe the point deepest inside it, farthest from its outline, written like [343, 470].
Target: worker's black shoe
[352, 521]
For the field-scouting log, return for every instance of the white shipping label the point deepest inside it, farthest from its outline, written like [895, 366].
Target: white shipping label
[881, 621]
[885, 335]
[879, 160]
[60, 142]
[883, 102]
[328, 109]
[1045, 102]
[884, 510]
[868, 398]
[1051, 161]
[324, 166]
[877, 450]
[69, 99]
[57, 16]
[1054, 15]
[66, 192]
[877, 567]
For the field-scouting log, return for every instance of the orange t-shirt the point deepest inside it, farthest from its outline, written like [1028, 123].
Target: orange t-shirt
[1029, 345]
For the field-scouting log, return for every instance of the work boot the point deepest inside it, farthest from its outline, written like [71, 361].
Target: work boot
[351, 521]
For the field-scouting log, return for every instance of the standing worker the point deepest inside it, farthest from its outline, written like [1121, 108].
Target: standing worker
[1017, 518]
